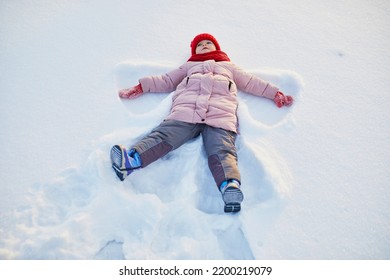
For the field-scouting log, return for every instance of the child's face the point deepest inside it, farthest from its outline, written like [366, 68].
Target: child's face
[205, 46]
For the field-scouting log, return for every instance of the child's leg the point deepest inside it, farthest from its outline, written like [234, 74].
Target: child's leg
[222, 154]
[168, 136]
[222, 159]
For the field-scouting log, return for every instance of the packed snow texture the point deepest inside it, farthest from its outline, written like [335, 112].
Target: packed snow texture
[315, 176]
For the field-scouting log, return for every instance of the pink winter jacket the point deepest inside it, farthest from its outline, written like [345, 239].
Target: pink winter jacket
[206, 92]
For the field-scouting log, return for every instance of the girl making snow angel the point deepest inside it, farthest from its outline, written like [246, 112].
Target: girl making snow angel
[204, 103]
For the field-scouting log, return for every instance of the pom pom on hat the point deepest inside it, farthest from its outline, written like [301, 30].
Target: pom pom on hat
[201, 37]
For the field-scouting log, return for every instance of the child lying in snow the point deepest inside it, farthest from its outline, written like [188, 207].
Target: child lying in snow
[204, 103]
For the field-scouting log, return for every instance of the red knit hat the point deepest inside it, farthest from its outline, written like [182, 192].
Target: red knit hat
[201, 37]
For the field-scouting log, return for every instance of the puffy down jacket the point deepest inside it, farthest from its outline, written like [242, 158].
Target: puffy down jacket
[206, 92]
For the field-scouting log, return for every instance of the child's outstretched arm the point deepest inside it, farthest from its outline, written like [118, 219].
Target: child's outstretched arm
[163, 83]
[254, 85]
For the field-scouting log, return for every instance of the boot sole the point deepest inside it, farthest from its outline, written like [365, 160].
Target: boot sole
[232, 197]
[232, 208]
[117, 155]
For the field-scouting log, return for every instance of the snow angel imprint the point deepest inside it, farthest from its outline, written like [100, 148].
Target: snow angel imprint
[204, 103]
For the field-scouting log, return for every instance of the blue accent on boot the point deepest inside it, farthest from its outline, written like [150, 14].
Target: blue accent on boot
[230, 182]
[135, 159]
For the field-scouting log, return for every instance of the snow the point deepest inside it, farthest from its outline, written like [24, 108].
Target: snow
[315, 176]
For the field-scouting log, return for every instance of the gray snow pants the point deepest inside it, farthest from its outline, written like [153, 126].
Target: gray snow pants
[171, 134]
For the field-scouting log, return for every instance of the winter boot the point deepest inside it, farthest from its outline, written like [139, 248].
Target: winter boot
[231, 195]
[124, 163]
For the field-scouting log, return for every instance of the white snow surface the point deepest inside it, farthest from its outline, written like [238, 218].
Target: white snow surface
[315, 176]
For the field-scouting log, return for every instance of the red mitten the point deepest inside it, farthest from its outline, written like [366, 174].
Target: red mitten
[281, 100]
[132, 92]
